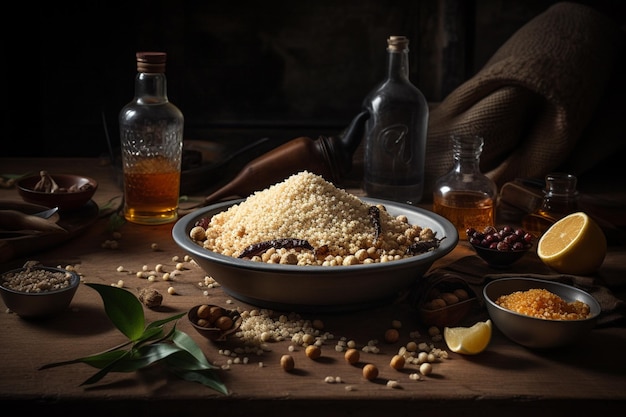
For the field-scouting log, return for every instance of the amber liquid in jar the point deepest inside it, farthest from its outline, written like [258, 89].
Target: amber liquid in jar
[537, 223]
[151, 192]
[466, 209]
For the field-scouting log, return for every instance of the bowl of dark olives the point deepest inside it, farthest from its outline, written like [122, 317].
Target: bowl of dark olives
[500, 247]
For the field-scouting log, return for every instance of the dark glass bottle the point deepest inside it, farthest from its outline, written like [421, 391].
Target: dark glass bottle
[560, 198]
[151, 135]
[465, 195]
[395, 133]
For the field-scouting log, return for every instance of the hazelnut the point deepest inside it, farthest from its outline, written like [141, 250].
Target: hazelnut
[223, 323]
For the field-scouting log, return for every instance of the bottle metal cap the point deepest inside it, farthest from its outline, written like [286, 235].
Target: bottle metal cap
[397, 43]
[151, 61]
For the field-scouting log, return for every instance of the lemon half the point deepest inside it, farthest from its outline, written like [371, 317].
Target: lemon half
[574, 244]
[468, 340]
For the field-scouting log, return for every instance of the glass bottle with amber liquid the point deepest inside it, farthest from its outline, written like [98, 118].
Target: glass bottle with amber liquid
[464, 195]
[151, 135]
[560, 198]
[395, 133]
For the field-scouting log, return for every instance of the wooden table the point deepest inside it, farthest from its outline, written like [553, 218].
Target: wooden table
[506, 378]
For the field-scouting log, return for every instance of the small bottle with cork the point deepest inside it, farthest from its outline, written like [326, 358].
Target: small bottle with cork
[465, 195]
[151, 135]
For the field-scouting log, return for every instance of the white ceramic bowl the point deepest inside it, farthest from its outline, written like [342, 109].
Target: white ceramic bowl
[534, 332]
[317, 288]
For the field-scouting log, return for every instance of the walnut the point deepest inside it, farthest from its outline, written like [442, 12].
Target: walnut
[150, 297]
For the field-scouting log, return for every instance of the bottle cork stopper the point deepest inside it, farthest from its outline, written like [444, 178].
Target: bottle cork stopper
[151, 61]
[397, 43]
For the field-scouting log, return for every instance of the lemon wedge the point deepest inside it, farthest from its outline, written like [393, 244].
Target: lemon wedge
[468, 340]
[574, 244]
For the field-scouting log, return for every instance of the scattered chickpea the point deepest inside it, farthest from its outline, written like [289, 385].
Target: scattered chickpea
[415, 376]
[166, 276]
[352, 355]
[433, 331]
[370, 372]
[318, 324]
[171, 291]
[197, 233]
[110, 244]
[154, 246]
[393, 384]
[313, 352]
[392, 335]
[287, 363]
[426, 368]
[180, 266]
[158, 268]
[120, 269]
[397, 362]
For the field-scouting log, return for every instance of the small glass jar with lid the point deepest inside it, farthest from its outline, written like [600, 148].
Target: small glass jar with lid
[465, 195]
[560, 198]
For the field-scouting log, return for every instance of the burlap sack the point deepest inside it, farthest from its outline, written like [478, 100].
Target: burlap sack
[535, 98]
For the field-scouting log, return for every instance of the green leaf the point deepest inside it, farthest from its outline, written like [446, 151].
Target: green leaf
[153, 333]
[207, 378]
[165, 321]
[150, 345]
[115, 222]
[156, 352]
[100, 360]
[182, 340]
[123, 308]
[184, 360]
[134, 360]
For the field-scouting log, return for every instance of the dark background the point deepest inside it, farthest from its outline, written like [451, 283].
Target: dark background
[239, 70]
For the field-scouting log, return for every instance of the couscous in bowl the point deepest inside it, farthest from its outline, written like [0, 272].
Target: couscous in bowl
[534, 332]
[334, 265]
[38, 292]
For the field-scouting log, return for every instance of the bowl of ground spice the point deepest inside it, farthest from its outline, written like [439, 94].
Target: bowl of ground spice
[305, 245]
[37, 291]
[540, 314]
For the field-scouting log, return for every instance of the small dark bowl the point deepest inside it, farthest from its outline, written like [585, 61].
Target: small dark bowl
[214, 333]
[444, 300]
[499, 259]
[449, 315]
[63, 200]
[535, 332]
[38, 304]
